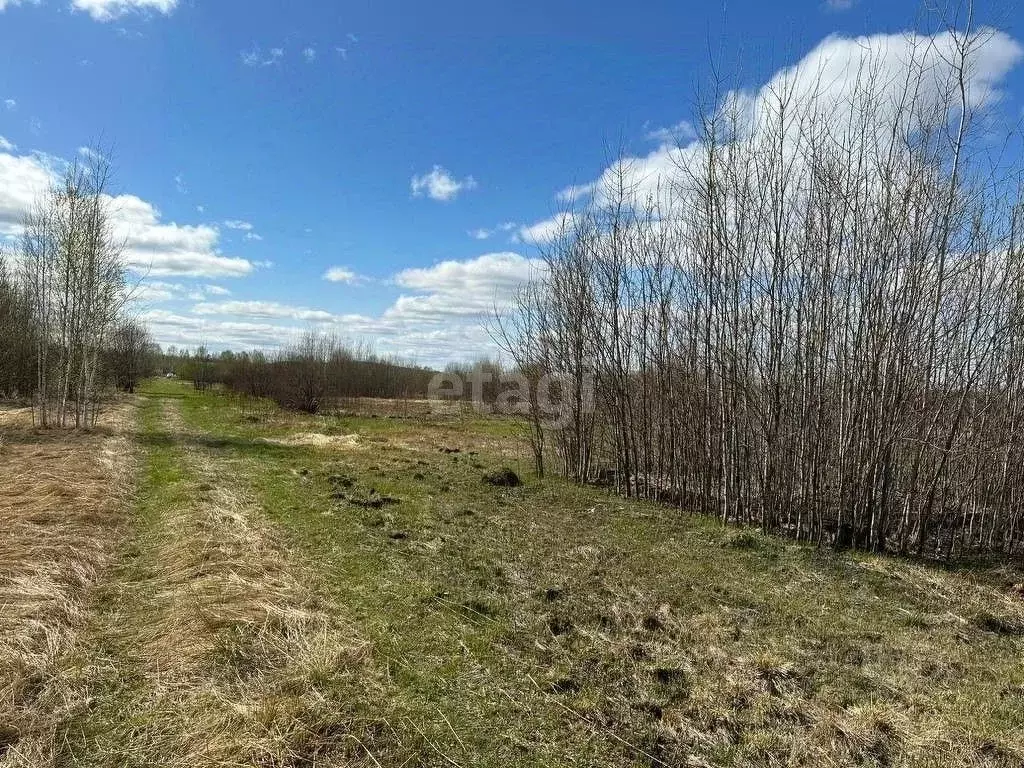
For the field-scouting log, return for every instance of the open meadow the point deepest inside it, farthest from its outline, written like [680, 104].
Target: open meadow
[198, 583]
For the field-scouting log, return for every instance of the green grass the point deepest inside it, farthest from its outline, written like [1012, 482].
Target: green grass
[557, 625]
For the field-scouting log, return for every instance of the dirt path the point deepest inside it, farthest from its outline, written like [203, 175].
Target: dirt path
[216, 646]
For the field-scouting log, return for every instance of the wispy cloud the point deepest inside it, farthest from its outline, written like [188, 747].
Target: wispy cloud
[255, 57]
[106, 10]
[483, 233]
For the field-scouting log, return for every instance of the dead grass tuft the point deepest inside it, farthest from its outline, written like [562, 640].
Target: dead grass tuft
[317, 440]
[62, 499]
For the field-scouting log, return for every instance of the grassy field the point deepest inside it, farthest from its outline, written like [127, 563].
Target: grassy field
[260, 588]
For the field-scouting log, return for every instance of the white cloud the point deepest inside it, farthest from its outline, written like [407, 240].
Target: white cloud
[341, 275]
[180, 185]
[484, 233]
[575, 192]
[243, 226]
[465, 287]
[151, 246]
[105, 10]
[439, 316]
[192, 330]
[268, 310]
[680, 133]
[155, 291]
[255, 57]
[839, 5]
[832, 79]
[440, 185]
[309, 54]
[155, 248]
[10, 103]
[23, 180]
[6, 146]
[4, 4]
[543, 232]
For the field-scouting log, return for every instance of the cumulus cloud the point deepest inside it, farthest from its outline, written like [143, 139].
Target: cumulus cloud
[163, 249]
[150, 291]
[547, 230]
[575, 192]
[151, 246]
[471, 283]
[6, 146]
[159, 291]
[440, 185]
[341, 275]
[268, 310]
[437, 318]
[680, 133]
[190, 330]
[23, 179]
[841, 77]
[106, 10]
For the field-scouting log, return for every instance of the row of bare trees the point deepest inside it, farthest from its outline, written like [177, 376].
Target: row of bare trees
[814, 322]
[63, 297]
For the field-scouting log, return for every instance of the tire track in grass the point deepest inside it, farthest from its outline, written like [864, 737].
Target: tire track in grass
[218, 648]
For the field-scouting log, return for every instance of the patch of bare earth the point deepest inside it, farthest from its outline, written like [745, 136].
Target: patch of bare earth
[317, 440]
[224, 651]
[63, 499]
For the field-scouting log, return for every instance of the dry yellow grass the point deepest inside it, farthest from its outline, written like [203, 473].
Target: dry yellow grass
[317, 440]
[62, 499]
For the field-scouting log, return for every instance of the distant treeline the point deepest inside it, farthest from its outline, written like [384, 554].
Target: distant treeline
[308, 376]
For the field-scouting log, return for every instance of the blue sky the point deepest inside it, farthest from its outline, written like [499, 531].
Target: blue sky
[259, 145]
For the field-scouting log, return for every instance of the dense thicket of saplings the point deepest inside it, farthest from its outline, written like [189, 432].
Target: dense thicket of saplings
[66, 336]
[813, 322]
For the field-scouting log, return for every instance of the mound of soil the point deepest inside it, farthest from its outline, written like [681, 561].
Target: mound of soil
[504, 478]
